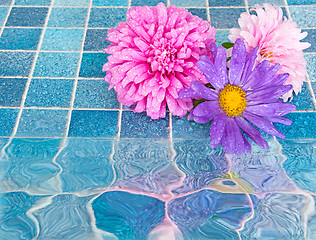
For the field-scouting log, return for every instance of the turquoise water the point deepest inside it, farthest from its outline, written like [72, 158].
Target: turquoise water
[75, 164]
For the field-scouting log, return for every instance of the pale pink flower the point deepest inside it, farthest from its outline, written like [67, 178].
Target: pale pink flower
[279, 42]
[154, 55]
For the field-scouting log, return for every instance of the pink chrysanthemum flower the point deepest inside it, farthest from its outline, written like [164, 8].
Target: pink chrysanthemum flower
[278, 40]
[154, 55]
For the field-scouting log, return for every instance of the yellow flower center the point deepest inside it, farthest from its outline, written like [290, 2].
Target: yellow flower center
[232, 100]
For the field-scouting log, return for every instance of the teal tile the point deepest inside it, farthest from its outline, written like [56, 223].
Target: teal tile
[5, 2]
[16, 63]
[198, 12]
[147, 2]
[11, 91]
[221, 36]
[91, 65]
[71, 2]
[189, 3]
[56, 64]
[217, 3]
[110, 3]
[301, 2]
[304, 16]
[32, 2]
[7, 121]
[219, 17]
[311, 38]
[67, 17]
[311, 63]
[303, 101]
[106, 17]
[49, 93]
[27, 16]
[3, 14]
[42, 123]
[182, 128]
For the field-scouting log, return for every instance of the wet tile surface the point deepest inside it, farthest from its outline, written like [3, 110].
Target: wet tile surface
[75, 164]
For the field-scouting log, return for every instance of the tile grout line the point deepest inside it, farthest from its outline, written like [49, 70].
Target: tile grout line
[27, 84]
[247, 5]
[6, 18]
[287, 10]
[208, 15]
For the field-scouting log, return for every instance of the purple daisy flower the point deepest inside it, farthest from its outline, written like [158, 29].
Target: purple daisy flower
[242, 95]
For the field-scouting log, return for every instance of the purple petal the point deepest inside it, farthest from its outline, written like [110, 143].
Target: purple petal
[261, 110]
[217, 129]
[213, 50]
[232, 140]
[220, 64]
[268, 93]
[247, 145]
[206, 108]
[210, 72]
[263, 124]
[250, 61]
[283, 108]
[257, 76]
[204, 119]
[237, 62]
[251, 132]
[198, 90]
[269, 75]
[276, 108]
[281, 120]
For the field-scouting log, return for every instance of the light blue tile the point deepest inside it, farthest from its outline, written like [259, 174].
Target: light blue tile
[276, 2]
[7, 120]
[304, 16]
[3, 14]
[95, 166]
[138, 125]
[226, 3]
[301, 2]
[30, 165]
[56, 64]
[311, 63]
[314, 87]
[189, 3]
[15, 222]
[71, 2]
[147, 2]
[16, 63]
[185, 129]
[303, 101]
[49, 93]
[91, 65]
[311, 225]
[32, 2]
[5, 2]
[65, 217]
[93, 123]
[20, 38]
[221, 36]
[42, 123]
[109, 3]
[63, 39]
[106, 17]
[219, 17]
[67, 17]
[300, 165]
[11, 91]
[27, 16]
[95, 94]
[302, 126]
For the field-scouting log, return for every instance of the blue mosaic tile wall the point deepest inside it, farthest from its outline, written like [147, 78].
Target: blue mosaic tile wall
[65, 139]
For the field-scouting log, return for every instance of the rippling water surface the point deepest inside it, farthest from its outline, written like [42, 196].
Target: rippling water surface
[155, 189]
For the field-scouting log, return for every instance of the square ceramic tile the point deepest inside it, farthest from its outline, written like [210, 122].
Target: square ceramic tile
[5, 2]
[304, 16]
[138, 125]
[301, 126]
[42, 123]
[7, 121]
[147, 2]
[96, 40]
[27, 16]
[32, 2]
[16, 63]
[49, 93]
[23, 170]
[311, 38]
[276, 2]
[109, 3]
[219, 17]
[96, 169]
[95, 94]
[67, 17]
[93, 123]
[20, 38]
[189, 3]
[301, 2]
[106, 17]
[91, 65]
[56, 64]
[3, 14]
[62, 39]
[185, 129]
[303, 101]
[221, 37]
[311, 63]
[71, 2]
[226, 3]
[11, 91]
[198, 12]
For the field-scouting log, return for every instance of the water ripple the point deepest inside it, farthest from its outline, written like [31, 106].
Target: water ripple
[209, 214]
[126, 215]
[15, 224]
